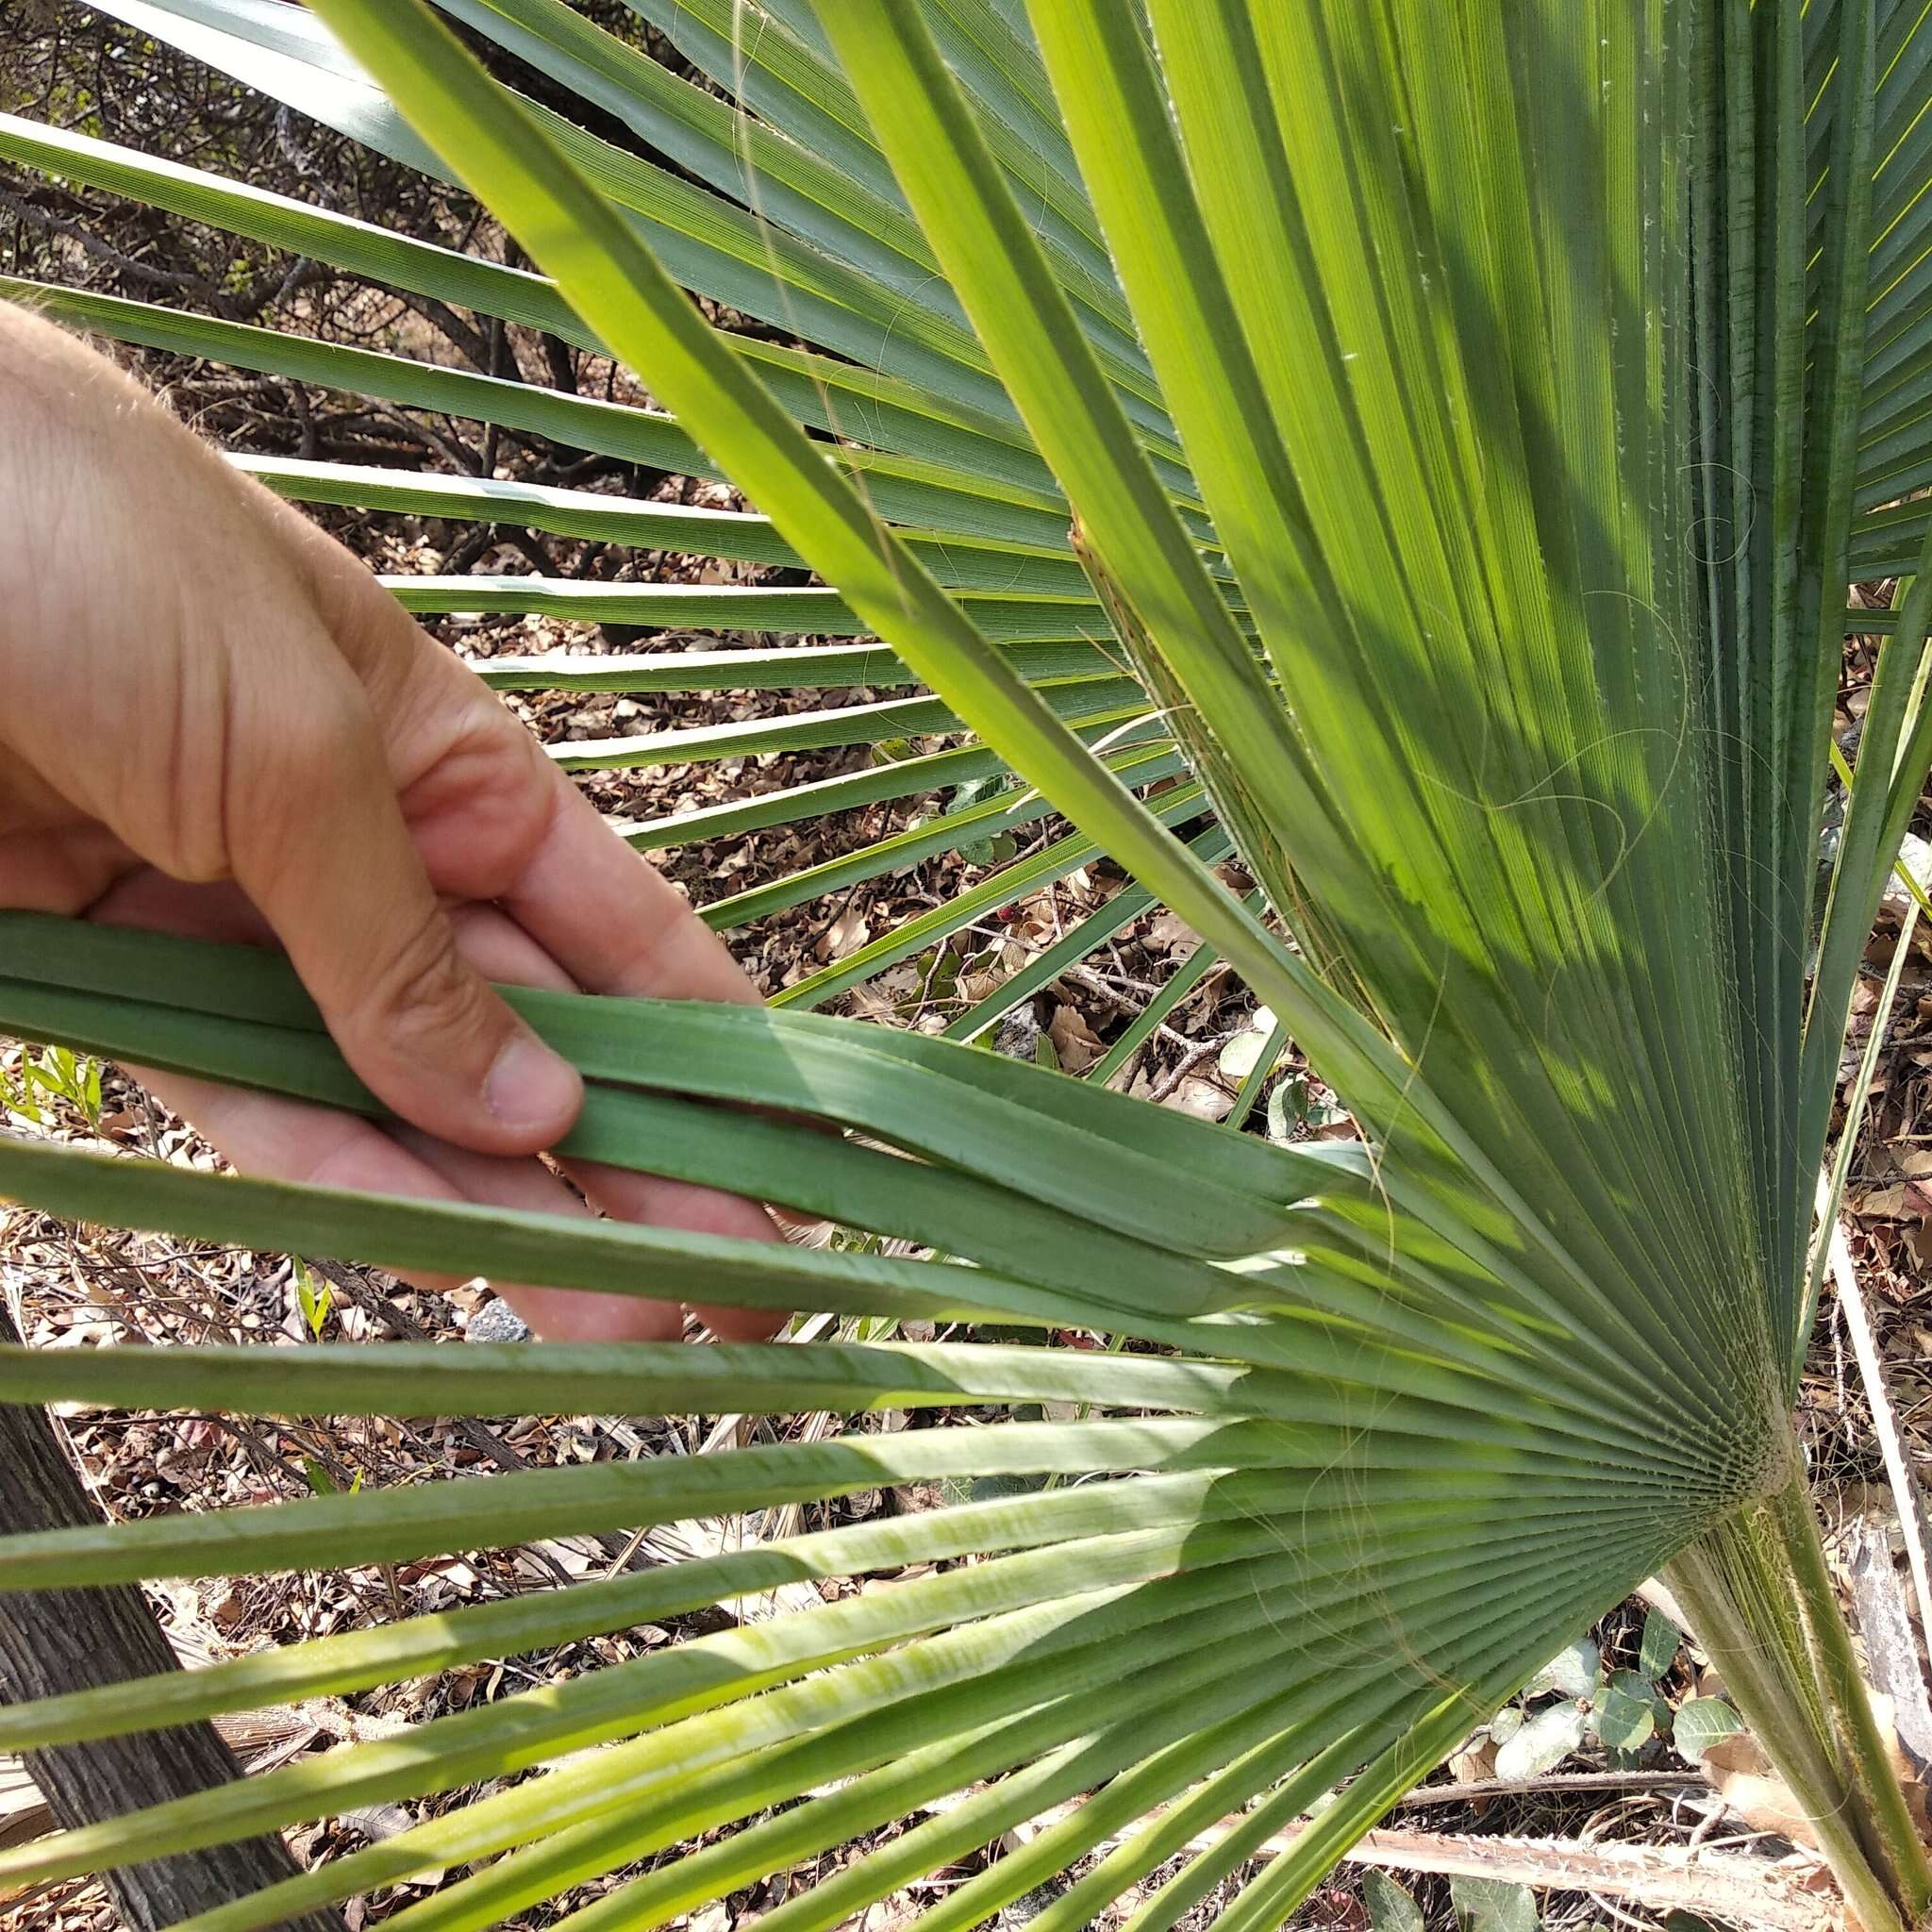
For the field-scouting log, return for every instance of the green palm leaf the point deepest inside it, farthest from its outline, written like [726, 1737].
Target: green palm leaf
[1300, 395]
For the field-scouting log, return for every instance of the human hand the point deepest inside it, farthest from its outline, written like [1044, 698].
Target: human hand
[215, 721]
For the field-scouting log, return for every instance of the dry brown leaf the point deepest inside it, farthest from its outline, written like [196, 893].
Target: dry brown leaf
[1204, 1099]
[1901, 1203]
[873, 1001]
[1074, 1039]
[1742, 1776]
[1741, 1773]
[1170, 933]
[1475, 1763]
[845, 935]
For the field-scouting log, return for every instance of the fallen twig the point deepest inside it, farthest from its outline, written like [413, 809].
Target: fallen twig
[1790, 1895]
[1777, 1896]
[1197, 1051]
[1426, 1795]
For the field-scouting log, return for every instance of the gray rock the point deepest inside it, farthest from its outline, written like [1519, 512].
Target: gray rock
[1018, 1034]
[496, 1322]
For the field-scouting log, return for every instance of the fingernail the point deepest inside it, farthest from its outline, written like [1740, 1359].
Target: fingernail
[530, 1089]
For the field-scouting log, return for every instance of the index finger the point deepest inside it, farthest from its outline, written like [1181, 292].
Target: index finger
[605, 915]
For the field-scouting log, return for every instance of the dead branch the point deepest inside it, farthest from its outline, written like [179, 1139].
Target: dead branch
[1885, 1422]
[1779, 1895]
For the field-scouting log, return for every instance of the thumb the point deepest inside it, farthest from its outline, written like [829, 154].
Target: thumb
[321, 846]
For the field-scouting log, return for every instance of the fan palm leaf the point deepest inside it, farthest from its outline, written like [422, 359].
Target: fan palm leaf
[1448, 433]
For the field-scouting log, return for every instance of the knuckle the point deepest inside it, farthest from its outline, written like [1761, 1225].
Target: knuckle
[284, 771]
[426, 996]
[324, 734]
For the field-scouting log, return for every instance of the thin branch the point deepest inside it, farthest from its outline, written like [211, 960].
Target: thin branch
[1425, 1795]
[28, 210]
[1885, 1422]
[1197, 1051]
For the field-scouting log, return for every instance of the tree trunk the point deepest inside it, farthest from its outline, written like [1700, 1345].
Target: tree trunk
[57, 1640]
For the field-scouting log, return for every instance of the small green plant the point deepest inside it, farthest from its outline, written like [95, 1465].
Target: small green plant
[1480, 1905]
[321, 1483]
[56, 1073]
[1573, 1701]
[1295, 1108]
[315, 1298]
[1391, 1907]
[1493, 1904]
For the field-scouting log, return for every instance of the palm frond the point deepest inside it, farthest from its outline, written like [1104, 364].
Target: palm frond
[1332, 369]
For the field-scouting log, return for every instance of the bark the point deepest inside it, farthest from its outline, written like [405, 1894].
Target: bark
[53, 1642]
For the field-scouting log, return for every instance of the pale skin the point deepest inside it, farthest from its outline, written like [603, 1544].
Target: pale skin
[214, 721]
